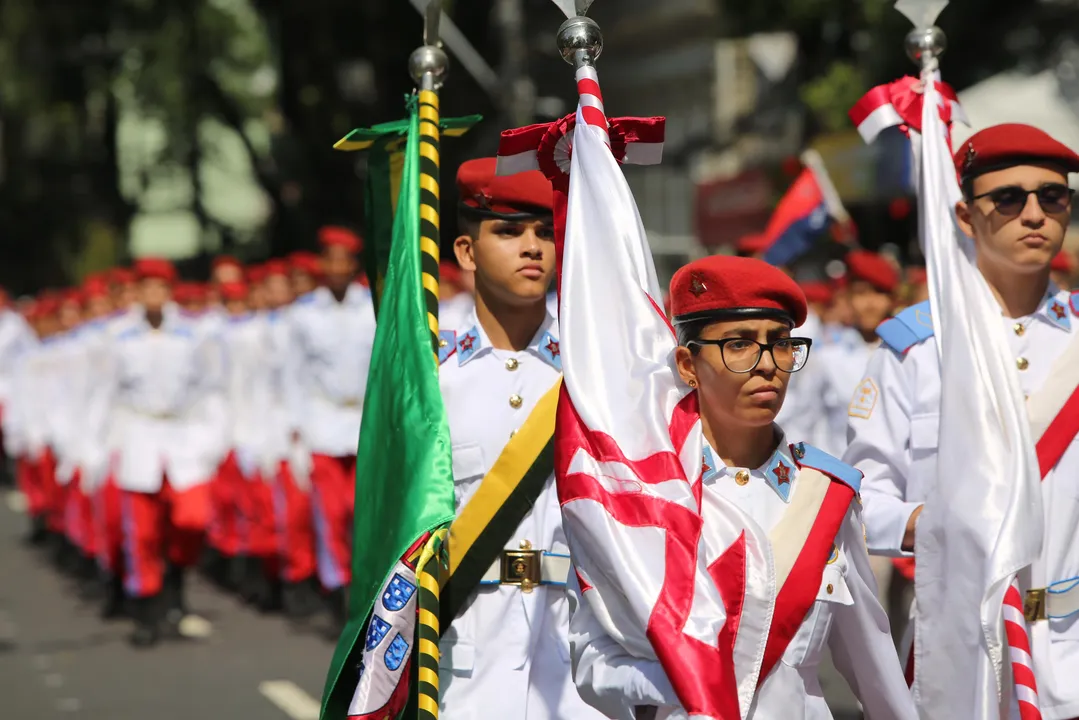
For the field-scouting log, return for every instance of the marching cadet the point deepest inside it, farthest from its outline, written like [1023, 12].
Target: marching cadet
[123, 287]
[16, 338]
[872, 280]
[20, 345]
[331, 332]
[305, 271]
[505, 650]
[160, 372]
[1016, 205]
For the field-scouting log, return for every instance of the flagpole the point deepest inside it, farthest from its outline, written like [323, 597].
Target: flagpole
[428, 66]
[924, 46]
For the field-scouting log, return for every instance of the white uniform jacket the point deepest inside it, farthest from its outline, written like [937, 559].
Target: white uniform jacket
[507, 653]
[248, 387]
[846, 617]
[159, 379]
[327, 360]
[894, 428]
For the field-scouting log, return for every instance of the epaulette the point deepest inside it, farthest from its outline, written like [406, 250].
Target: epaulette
[447, 345]
[306, 298]
[129, 333]
[808, 456]
[908, 328]
[1074, 302]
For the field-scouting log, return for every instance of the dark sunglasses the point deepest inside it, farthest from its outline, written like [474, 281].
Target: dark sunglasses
[1011, 199]
[742, 355]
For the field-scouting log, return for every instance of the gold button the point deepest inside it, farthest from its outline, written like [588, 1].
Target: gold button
[442, 342]
[1019, 329]
[1022, 363]
[515, 401]
[741, 477]
[829, 589]
[526, 545]
[511, 364]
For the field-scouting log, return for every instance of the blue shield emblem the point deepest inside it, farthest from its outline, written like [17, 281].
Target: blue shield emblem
[397, 594]
[396, 652]
[376, 631]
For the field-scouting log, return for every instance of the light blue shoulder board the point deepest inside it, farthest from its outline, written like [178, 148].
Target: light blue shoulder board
[809, 456]
[304, 299]
[908, 328]
[447, 345]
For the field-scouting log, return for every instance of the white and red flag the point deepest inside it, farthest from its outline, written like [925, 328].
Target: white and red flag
[983, 519]
[696, 596]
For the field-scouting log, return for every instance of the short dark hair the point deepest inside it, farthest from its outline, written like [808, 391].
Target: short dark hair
[689, 331]
[468, 225]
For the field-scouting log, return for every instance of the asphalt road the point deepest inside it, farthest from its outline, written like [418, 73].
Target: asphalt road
[58, 661]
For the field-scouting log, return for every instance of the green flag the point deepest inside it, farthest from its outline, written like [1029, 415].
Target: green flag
[404, 479]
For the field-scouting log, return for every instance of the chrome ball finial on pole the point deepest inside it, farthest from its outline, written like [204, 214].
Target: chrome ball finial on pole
[428, 65]
[580, 41]
[925, 45]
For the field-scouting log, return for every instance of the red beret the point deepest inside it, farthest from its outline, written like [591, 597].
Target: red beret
[818, 292]
[714, 286]
[486, 194]
[449, 272]
[233, 291]
[72, 296]
[336, 236]
[917, 276]
[1062, 262]
[226, 261]
[275, 267]
[146, 268]
[305, 262]
[255, 273]
[121, 276]
[873, 269]
[1008, 145]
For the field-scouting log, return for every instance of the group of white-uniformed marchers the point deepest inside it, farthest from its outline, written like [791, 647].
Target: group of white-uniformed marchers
[154, 424]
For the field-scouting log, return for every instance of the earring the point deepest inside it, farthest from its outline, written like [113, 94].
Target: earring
[693, 383]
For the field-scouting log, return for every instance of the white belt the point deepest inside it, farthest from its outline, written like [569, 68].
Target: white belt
[1059, 600]
[528, 568]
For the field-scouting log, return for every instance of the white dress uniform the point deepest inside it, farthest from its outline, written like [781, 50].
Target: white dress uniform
[276, 425]
[507, 653]
[802, 413]
[328, 358]
[16, 338]
[840, 365]
[894, 430]
[208, 421]
[846, 618]
[73, 383]
[248, 384]
[159, 378]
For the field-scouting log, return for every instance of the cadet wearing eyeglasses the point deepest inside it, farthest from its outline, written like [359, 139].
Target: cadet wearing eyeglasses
[1016, 206]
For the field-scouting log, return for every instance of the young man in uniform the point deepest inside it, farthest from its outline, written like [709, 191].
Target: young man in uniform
[1017, 206]
[331, 332]
[506, 652]
[159, 374]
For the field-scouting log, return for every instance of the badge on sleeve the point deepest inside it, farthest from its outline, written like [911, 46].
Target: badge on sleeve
[865, 399]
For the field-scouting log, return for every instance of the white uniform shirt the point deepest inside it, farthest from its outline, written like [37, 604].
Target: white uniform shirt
[507, 654]
[846, 617]
[802, 414]
[894, 431]
[329, 355]
[840, 365]
[72, 383]
[248, 386]
[159, 380]
[276, 424]
[16, 337]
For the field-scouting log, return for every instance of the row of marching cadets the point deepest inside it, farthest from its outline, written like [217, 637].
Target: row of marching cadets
[155, 424]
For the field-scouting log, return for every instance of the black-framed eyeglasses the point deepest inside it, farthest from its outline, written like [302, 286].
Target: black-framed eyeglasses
[742, 355]
[1011, 199]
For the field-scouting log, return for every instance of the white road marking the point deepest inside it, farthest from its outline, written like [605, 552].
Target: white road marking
[16, 502]
[195, 627]
[290, 699]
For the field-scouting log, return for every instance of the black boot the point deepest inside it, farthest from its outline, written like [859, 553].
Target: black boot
[175, 606]
[300, 599]
[338, 602]
[240, 577]
[39, 534]
[147, 615]
[113, 606]
[89, 580]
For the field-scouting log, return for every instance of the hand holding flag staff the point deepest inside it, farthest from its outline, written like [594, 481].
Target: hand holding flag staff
[983, 520]
[386, 660]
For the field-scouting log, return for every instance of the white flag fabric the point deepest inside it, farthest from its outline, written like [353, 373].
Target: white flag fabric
[983, 518]
[650, 561]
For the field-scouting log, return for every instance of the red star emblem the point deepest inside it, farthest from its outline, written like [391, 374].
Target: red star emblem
[697, 286]
[783, 473]
[1058, 310]
[552, 347]
[705, 467]
[466, 342]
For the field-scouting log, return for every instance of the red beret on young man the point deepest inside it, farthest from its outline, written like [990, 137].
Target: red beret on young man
[482, 193]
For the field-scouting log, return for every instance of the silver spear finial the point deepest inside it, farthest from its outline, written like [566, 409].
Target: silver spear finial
[429, 64]
[579, 38]
[926, 42]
